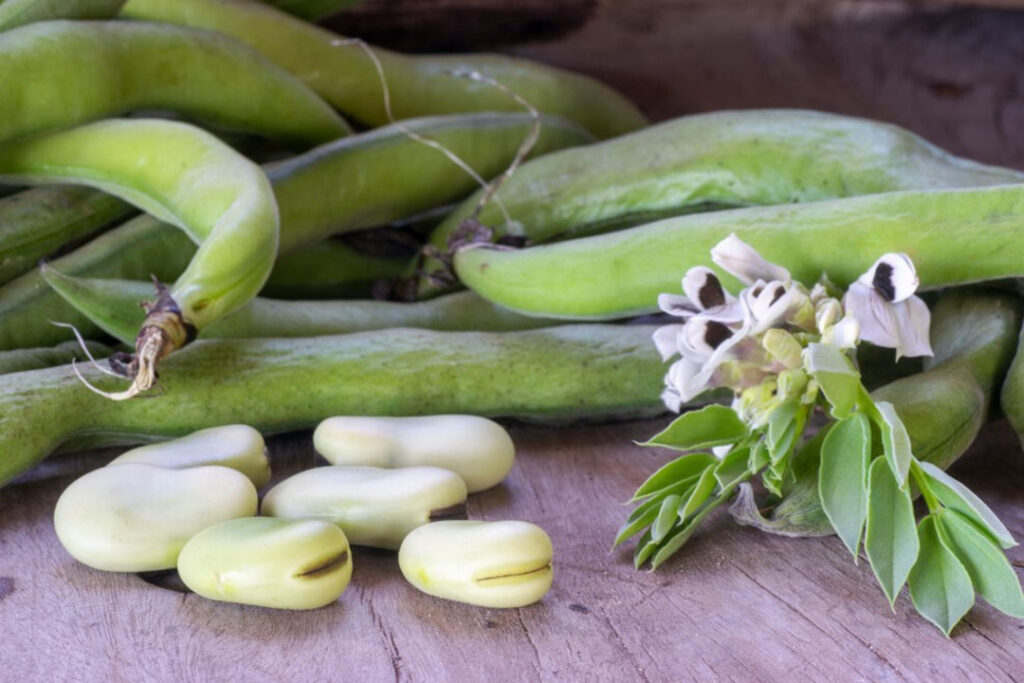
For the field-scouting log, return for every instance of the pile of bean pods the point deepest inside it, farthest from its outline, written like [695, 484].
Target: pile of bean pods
[385, 245]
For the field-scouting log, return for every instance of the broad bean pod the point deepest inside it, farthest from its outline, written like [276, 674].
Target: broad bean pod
[1012, 395]
[182, 175]
[279, 385]
[14, 13]
[343, 74]
[973, 334]
[953, 236]
[140, 248]
[331, 269]
[21, 360]
[37, 222]
[59, 74]
[349, 184]
[384, 174]
[356, 175]
[716, 160]
[144, 246]
[112, 305]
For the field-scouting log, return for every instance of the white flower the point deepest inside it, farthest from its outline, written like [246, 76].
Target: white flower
[743, 261]
[680, 385]
[882, 301]
[702, 293]
[769, 303]
[843, 335]
[836, 328]
[706, 301]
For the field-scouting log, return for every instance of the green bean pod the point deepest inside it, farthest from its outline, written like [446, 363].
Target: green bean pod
[182, 175]
[112, 305]
[349, 184]
[722, 159]
[384, 174]
[973, 334]
[21, 360]
[312, 10]
[331, 269]
[346, 185]
[140, 248]
[1012, 396]
[14, 13]
[97, 70]
[37, 222]
[144, 247]
[953, 236]
[344, 75]
[279, 385]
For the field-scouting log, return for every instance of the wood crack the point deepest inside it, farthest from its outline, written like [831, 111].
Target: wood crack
[622, 645]
[529, 639]
[387, 638]
[795, 611]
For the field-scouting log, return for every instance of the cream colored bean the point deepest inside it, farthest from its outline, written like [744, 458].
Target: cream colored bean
[135, 517]
[287, 564]
[491, 564]
[373, 506]
[239, 447]
[477, 449]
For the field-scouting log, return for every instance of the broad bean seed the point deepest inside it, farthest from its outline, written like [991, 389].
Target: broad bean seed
[477, 449]
[285, 564]
[375, 507]
[136, 518]
[491, 564]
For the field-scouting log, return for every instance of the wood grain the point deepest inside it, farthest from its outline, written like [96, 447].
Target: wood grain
[950, 74]
[736, 604]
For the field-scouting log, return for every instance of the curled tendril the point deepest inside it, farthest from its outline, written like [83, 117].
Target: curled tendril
[524, 149]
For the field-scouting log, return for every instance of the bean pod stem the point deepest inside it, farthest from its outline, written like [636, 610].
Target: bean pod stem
[221, 200]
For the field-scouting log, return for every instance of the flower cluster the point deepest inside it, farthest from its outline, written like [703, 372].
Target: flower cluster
[743, 341]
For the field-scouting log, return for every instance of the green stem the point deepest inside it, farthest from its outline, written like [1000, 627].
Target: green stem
[930, 499]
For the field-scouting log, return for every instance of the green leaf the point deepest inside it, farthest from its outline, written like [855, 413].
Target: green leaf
[842, 479]
[644, 548]
[773, 477]
[956, 496]
[991, 573]
[758, 456]
[641, 517]
[836, 376]
[783, 424]
[891, 540]
[939, 584]
[674, 542]
[735, 465]
[700, 493]
[713, 425]
[682, 468]
[667, 515]
[895, 441]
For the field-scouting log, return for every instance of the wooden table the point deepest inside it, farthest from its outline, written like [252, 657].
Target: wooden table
[735, 604]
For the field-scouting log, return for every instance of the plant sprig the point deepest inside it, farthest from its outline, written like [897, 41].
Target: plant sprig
[867, 481]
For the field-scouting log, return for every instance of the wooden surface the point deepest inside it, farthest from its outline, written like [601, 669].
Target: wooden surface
[952, 74]
[736, 604]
